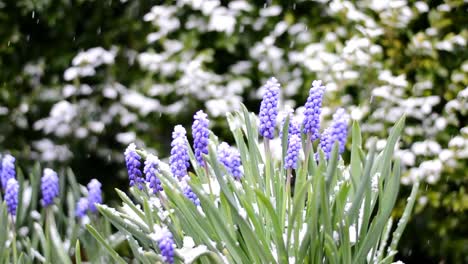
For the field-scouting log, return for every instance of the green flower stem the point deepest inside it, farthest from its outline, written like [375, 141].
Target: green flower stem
[268, 171]
[307, 150]
[288, 202]
[266, 144]
[205, 166]
[288, 189]
[13, 230]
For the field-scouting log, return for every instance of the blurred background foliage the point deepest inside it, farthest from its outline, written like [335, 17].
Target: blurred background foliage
[80, 79]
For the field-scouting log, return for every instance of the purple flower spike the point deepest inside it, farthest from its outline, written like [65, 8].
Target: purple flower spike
[230, 158]
[313, 108]
[200, 135]
[188, 191]
[49, 187]
[337, 131]
[166, 245]
[294, 146]
[81, 207]
[132, 160]
[269, 108]
[94, 195]
[150, 170]
[179, 160]
[1, 166]
[11, 196]
[8, 169]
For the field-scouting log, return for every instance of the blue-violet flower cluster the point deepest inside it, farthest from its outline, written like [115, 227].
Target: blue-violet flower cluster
[230, 158]
[81, 207]
[49, 187]
[294, 146]
[313, 108]
[94, 195]
[269, 108]
[187, 191]
[8, 169]
[200, 135]
[11, 196]
[294, 125]
[337, 131]
[166, 245]
[150, 170]
[132, 160]
[179, 159]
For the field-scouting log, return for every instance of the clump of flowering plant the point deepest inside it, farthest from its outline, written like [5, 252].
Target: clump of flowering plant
[42, 217]
[243, 205]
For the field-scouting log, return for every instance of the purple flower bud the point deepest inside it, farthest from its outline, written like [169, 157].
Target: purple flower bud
[179, 159]
[81, 207]
[11, 195]
[94, 195]
[313, 108]
[166, 245]
[337, 131]
[200, 135]
[188, 191]
[132, 160]
[150, 170]
[8, 169]
[230, 158]
[49, 187]
[269, 108]
[294, 146]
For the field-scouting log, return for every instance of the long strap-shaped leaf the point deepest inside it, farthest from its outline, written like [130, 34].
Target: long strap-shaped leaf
[106, 245]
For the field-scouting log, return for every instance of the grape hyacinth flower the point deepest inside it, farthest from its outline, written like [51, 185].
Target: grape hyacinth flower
[11, 196]
[294, 146]
[49, 187]
[200, 135]
[94, 195]
[179, 159]
[294, 125]
[166, 245]
[187, 191]
[132, 160]
[150, 170]
[269, 108]
[337, 131]
[8, 169]
[81, 207]
[230, 158]
[313, 108]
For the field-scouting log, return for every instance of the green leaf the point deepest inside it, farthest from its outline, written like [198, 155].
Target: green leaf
[356, 166]
[197, 253]
[278, 232]
[3, 229]
[19, 210]
[129, 202]
[122, 224]
[137, 251]
[106, 245]
[404, 218]
[389, 197]
[77, 252]
[364, 183]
